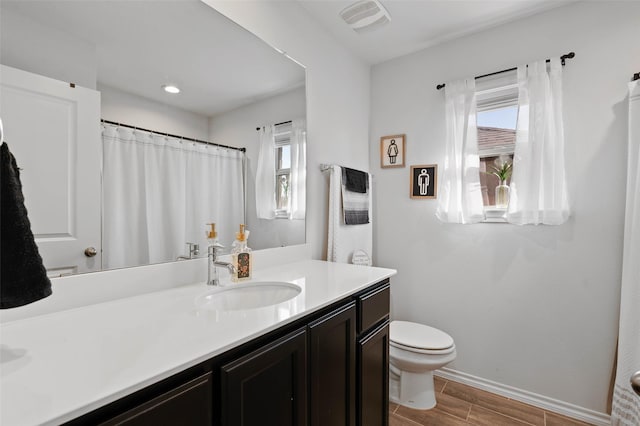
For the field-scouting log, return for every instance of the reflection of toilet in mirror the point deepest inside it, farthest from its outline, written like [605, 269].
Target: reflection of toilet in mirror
[415, 351]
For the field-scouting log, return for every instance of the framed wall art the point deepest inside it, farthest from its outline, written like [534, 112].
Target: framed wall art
[424, 181]
[392, 151]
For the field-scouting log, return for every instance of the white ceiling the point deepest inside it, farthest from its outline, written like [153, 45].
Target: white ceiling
[141, 45]
[418, 24]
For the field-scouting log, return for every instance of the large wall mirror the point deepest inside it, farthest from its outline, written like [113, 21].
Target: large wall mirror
[110, 161]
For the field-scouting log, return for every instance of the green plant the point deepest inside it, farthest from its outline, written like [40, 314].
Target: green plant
[502, 170]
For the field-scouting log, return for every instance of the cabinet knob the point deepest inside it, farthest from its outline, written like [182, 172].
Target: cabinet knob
[635, 382]
[90, 251]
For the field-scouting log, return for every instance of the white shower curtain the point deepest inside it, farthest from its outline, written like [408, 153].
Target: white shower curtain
[626, 404]
[159, 192]
[538, 184]
[460, 198]
[266, 175]
[298, 169]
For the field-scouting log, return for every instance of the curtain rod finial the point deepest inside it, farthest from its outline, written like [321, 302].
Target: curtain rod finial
[569, 55]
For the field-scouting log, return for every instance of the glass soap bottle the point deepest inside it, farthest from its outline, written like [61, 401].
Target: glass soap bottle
[241, 256]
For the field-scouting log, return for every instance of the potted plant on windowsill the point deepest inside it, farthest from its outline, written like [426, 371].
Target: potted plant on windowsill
[502, 170]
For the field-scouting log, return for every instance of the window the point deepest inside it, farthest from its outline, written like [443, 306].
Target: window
[497, 114]
[283, 169]
[537, 190]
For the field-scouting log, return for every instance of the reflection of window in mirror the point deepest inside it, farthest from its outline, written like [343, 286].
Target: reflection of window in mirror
[497, 113]
[283, 169]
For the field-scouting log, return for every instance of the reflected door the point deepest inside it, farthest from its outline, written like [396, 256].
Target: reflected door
[53, 131]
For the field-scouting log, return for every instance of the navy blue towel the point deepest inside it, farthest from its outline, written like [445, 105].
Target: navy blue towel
[23, 277]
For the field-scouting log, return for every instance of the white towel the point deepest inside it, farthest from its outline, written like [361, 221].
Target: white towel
[626, 404]
[343, 239]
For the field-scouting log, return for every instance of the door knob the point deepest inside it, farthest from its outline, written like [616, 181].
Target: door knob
[90, 251]
[635, 382]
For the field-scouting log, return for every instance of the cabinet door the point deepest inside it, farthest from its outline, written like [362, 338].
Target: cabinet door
[189, 404]
[373, 375]
[332, 368]
[267, 386]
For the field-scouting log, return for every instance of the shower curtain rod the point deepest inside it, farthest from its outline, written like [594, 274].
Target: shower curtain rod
[569, 55]
[184, 138]
[277, 124]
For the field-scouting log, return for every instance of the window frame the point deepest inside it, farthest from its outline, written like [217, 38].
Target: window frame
[492, 93]
[282, 138]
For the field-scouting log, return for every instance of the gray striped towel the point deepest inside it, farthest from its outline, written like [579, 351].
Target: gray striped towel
[355, 205]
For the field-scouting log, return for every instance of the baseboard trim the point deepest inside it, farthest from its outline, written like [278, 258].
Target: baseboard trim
[537, 400]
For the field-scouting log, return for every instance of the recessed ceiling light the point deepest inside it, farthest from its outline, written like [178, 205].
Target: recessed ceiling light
[365, 15]
[170, 88]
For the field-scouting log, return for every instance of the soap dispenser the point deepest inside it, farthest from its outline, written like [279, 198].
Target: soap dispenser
[241, 256]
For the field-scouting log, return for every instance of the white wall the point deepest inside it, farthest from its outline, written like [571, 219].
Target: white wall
[30, 46]
[337, 96]
[127, 108]
[238, 128]
[531, 307]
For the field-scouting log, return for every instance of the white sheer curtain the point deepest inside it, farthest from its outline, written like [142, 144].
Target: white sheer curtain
[626, 404]
[214, 192]
[538, 184]
[266, 175]
[298, 169]
[460, 198]
[159, 192]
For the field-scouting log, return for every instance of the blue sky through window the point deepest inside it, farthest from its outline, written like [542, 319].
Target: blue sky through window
[503, 118]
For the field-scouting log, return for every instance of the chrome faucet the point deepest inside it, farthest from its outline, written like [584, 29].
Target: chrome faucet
[194, 251]
[213, 263]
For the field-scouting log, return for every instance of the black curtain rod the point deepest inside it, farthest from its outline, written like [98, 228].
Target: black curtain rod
[277, 124]
[636, 76]
[569, 55]
[174, 136]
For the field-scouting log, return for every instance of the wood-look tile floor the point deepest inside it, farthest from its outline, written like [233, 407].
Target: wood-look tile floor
[459, 404]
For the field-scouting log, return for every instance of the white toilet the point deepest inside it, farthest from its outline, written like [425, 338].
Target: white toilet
[415, 350]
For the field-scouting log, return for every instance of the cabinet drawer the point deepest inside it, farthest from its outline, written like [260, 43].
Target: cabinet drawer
[373, 307]
[187, 404]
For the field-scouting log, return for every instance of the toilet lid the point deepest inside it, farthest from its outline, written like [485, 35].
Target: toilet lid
[419, 336]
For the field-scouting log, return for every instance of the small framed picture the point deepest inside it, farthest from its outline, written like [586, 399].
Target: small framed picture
[424, 181]
[392, 151]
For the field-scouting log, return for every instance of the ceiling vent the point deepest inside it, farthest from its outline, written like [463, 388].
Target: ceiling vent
[365, 15]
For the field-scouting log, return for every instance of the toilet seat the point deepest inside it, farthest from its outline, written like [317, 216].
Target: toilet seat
[423, 351]
[419, 338]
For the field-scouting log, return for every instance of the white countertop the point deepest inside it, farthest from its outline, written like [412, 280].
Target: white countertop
[58, 366]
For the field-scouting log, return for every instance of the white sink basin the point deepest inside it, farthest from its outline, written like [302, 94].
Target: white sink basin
[253, 295]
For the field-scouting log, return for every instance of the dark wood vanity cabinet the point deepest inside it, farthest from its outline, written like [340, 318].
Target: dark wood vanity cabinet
[373, 377]
[330, 367]
[373, 356]
[267, 386]
[187, 404]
